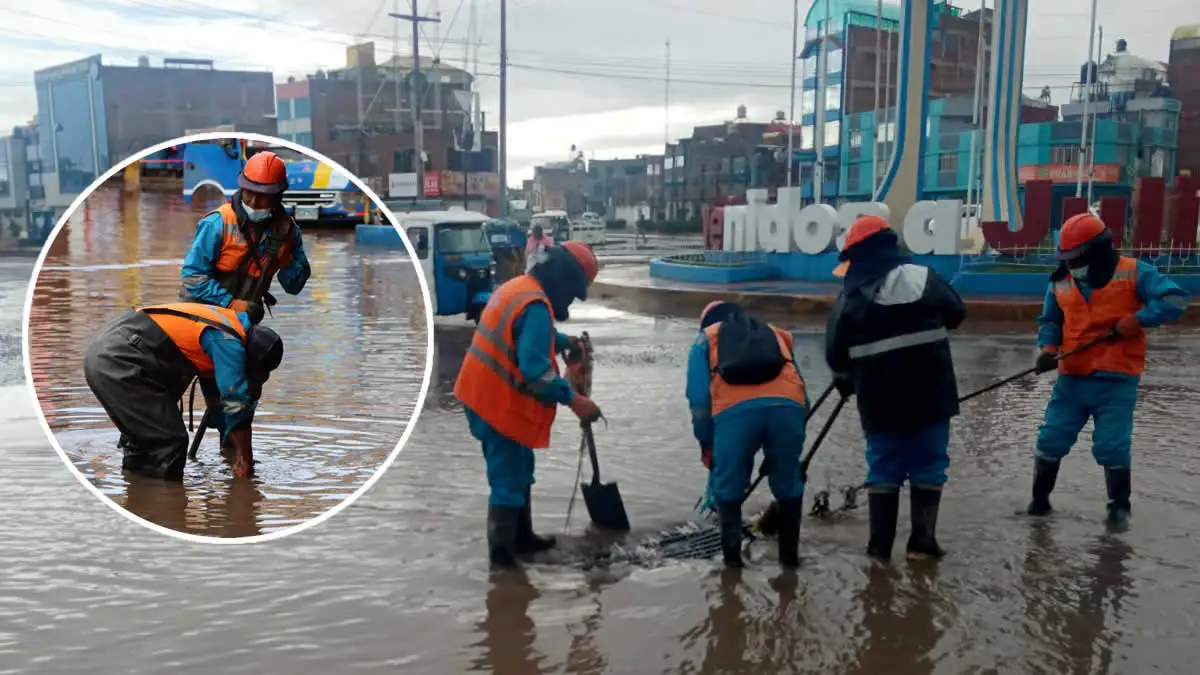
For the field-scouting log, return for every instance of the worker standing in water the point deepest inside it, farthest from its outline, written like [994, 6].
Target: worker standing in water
[141, 362]
[510, 388]
[745, 392]
[887, 343]
[238, 249]
[1094, 293]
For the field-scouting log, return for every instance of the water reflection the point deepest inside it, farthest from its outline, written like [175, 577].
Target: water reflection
[330, 415]
[509, 634]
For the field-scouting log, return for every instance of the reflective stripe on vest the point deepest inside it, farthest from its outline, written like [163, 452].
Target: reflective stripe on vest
[905, 341]
[1087, 319]
[235, 268]
[184, 322]
[786, 385]
[490, 382]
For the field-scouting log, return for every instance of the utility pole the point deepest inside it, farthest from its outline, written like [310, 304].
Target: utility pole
[667, 99]
[416, 87]
[875, 115]
[976, 107]
[503, 135]
[819, 127]
[791, 137]
[1092, 132]
[1088, 77]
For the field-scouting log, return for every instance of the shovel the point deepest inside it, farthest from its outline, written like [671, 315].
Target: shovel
[604, 504]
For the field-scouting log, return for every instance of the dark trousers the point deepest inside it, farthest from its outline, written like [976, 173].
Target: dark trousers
[139, 375]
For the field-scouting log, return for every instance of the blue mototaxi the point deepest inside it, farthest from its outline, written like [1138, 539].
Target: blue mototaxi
[455, 256]
[508, 247]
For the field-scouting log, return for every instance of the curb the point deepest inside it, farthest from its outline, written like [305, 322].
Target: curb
[24, 252]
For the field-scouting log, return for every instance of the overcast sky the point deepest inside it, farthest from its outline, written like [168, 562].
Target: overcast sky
[583, 72]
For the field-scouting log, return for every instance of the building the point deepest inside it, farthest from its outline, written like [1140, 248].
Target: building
[361, 116]
[850, 56]
[560, 186]
[23, 214]
[91, 116]
[1183, 73]
[624, 189]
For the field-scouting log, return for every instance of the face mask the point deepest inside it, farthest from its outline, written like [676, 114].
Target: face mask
[1080, 273]
[256, 215]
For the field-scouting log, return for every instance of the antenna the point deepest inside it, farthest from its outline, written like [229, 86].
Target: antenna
[667, 98]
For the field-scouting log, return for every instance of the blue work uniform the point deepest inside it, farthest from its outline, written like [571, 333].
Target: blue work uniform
[774, 424]
[1109, 398]
[510, 465]
[200, 264]
[229, 386]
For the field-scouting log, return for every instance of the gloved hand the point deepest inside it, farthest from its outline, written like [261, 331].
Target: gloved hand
[1127, 327]
[844, 384]
[243, 455]
[574, 352]
[1047, 360]
[585, 409]
[706, 456]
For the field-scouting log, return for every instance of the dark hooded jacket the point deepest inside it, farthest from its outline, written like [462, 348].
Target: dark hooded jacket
[563, 280]
[888, 332]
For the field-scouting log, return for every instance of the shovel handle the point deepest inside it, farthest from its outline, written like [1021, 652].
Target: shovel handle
[589, 440]
[199, 436]
[1030, 371]
[821, 437]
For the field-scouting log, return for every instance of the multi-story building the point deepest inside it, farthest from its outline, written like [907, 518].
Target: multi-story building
[843, 45]
[91, 116]
[624, 189]
[361, 116]
[560, 186]
[1183, 72]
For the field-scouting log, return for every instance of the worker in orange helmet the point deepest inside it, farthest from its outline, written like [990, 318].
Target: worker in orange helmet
[510, 386]
[887, 342]
[238, 249]
[746, 392]
[1096, 292]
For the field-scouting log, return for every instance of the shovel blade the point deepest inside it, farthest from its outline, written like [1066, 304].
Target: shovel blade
[605, 506]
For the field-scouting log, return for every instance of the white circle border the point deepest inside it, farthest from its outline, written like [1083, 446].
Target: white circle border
[335, 509]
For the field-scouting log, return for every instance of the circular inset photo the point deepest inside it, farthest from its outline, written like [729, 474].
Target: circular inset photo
[213, 349]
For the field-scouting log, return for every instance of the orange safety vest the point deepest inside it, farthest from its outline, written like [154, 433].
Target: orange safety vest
[234, 249]
[1084, 321]
[490, 383]
[183, 322]
[786, 385]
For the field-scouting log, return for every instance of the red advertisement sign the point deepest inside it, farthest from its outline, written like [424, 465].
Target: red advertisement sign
[1068, 173]
[433, 184]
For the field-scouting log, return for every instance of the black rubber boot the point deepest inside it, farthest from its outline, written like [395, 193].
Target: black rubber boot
[1118, 482]
[1045, 474]
[922, 543]
[502, 525]
[731, 533]
[528, 541]
[884, 509]
[790, 513]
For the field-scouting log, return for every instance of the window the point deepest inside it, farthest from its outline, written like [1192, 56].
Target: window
[301, 108]
[806, 137]
[833, 97]
[668, 162]
[948, 163]
[678, 161]
[724, 165]
[5, 187]
[739, 164]
[856, 139]
[886, 132]
[853, 179]
[419, 236]
[72, 114]
[833, 61]
[833, 131]
[402, 161]
[45, 130]
[304, 139]
[457, 240]
[1064, 154]
[283, 109]
[808, 102]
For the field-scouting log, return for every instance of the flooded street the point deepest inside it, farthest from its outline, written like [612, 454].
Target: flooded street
[398, 582]
[355, 351]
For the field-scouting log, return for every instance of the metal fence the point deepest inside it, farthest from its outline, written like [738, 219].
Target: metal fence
[1168, 258]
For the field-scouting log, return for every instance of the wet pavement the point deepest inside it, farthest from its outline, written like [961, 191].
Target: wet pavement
[355, 353]
[398, 583]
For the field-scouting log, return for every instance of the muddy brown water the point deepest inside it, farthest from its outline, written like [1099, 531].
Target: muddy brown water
[354, 356]
[397, 582]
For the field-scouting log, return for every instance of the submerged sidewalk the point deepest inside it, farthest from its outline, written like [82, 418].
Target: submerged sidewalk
[632, 288]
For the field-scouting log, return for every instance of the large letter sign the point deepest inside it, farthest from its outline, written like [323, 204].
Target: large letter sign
[928, 227]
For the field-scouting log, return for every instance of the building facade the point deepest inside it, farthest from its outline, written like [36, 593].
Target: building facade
[1183, 74]
[92, 116]
[628, 189]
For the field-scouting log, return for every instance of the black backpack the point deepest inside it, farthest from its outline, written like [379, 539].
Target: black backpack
[748, 352]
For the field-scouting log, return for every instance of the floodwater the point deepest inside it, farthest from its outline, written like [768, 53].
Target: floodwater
[354, 356]
[398, 581]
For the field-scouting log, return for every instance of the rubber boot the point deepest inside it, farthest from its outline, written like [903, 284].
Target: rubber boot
[528, 541]
[1045, 474]
[731, 533]
[922, 543]
[790, 513]
[503, 522]
[884, 508]
[1118, 482]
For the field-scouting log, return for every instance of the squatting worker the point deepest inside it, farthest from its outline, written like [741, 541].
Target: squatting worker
[140, 363]
[1096, 293]
[238, 248]
[510, 388]
[746, 392]
[887, 342]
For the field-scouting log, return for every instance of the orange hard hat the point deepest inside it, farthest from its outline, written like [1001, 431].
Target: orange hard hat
[710, 307]
[862, 228]
[264, 173]
[1077, 233]
[586, 258]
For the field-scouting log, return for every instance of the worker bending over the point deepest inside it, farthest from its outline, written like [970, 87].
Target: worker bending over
[745, 392]
[140, 363]
[887, 342]
[1096, 293]
[510, 388]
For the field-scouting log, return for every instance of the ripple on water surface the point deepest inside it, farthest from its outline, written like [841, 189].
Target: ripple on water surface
[355, 344]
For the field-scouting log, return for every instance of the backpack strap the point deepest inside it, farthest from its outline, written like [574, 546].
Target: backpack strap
[225, 328]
